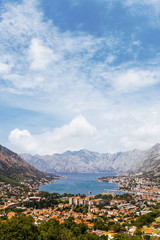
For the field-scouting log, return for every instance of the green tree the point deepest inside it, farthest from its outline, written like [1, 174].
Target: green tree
[124, 236]
[18, 228]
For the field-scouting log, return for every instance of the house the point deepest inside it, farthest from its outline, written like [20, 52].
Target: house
[148, 231]
[11, 214]
[111, 236]
[155, 225]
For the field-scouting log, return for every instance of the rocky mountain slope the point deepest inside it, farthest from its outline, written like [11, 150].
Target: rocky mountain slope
[85, 161]
[150, 163]
[13, 169]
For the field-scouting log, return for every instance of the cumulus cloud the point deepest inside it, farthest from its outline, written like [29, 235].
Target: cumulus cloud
[80, 134]
[22, 139]
[73, 136]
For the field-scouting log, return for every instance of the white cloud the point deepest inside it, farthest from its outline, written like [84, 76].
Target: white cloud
[142, 138]
[135, 79]
[4, 68]
[136, 3]
[38, 51]
[148, 8]
[154, 3]
[52, 66]
[110, 59]
[40, 55]
[80, 134]
[74, 136]
[59, 64]
[22, 139]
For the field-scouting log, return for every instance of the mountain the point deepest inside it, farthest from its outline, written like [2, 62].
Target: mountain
[85, 161]
[14, 169]
[150, 162]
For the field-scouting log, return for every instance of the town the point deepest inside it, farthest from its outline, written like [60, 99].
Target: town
[134, 212]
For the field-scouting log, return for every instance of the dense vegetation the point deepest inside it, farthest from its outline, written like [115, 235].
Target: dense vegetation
[146, 219]
[124, 236]
[23, 228]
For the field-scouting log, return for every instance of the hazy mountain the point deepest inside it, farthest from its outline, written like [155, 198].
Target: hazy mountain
[85, 161]
[14, 169]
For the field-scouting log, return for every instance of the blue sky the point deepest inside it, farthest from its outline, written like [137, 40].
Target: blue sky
[79, 74]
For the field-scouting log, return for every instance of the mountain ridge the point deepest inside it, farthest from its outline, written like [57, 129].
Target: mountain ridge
[14, 169]
[84, 161]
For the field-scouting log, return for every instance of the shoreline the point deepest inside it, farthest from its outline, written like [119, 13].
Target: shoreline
[81, 184]
[106, 180]
[51, 181]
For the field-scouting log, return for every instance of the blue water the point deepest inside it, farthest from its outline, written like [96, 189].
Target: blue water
[82, 183]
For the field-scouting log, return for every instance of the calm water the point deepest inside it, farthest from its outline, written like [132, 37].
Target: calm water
[80, 183]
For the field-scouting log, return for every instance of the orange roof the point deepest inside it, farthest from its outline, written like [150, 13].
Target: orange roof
[54, 216]
[61, 221]
[12, 213]
[148, 231]
[112, 220]
[78, 221]
[113, 234]
[90, 224]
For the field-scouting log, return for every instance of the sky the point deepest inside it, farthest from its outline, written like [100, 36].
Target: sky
[79, 74]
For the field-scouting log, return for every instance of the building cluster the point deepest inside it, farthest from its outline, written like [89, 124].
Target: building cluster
[12, 196]
[136, 184]
[77, 200]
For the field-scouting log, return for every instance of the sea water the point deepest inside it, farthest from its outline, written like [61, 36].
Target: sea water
[80, 183]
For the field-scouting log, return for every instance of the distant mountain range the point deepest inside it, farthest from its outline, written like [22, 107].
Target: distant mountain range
[14, 169]
[85, 161]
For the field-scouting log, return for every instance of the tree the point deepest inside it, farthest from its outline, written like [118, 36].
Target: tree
[124, 236]
[18, 228]
[146, 219]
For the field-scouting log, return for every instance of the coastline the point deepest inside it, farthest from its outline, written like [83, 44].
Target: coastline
[51, 181]
[109, 180]
[76, 183]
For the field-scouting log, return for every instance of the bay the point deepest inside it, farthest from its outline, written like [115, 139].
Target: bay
[80, 183]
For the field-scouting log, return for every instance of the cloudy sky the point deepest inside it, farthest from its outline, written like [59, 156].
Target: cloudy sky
[79, 74]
